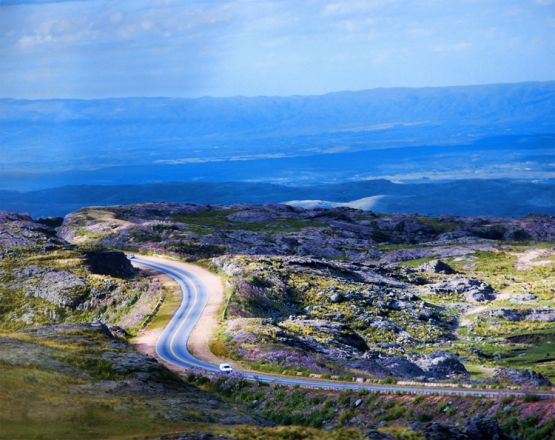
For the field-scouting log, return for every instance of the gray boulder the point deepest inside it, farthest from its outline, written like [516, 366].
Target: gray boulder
[377, 435]
[442, 431]
[483, 428]
[522, 298]
[337, 297]
[437, 266]
[545, 314]
[522, 377]
[399, 366]
[441, 365]
[472, 289]
[385, 324]
[112, 263]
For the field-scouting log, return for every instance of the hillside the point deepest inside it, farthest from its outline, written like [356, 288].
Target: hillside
[332, 293]
[339, 291]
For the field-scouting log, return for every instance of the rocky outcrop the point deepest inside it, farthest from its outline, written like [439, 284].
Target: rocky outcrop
[474, 428]
[523, 298]
[440, 431]
[544, 314]
[484, 428]
[55, 286]
[284, 230]
[94, 367]
[112, 263]
[522, 377]
[437, 266]
[373, 434]
[399, 366]
[20, 231]
[195, 436]
[471, 288]
[441, 365]
[326, 336]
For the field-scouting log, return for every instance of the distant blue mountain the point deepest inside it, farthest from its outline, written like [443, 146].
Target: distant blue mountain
[62, 135]
[463, 197]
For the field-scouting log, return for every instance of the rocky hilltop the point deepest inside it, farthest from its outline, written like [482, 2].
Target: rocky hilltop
[343, 292]
[197, 231]
[46, 280]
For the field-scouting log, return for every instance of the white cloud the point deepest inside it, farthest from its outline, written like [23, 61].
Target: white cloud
[346, 8]
[455, 47]
[27, 41]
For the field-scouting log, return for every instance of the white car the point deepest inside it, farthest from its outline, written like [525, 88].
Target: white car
[225, 368]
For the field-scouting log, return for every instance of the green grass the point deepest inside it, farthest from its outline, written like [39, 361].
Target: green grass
[218, 220]
[539, 354]
[40, 403]
[61, 391]
[171, 302]
[439, 226]
[293, 433]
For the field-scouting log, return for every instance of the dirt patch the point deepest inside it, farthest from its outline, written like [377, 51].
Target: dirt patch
[465, 321]
[102, 215]
[533, 258]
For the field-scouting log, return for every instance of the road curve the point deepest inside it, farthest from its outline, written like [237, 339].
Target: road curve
[172, 345]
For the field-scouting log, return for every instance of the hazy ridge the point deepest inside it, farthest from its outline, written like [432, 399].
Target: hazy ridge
[466, 197]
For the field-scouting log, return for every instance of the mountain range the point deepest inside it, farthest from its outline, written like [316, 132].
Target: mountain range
[462, 197]
[49, 143]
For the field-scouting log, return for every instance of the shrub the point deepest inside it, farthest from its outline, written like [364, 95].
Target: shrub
[424, 417]
[528, 398]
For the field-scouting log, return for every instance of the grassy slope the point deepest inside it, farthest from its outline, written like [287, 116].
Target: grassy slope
[63, 385]
[489, 335]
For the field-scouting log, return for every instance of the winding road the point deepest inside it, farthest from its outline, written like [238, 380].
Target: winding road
[173, 344]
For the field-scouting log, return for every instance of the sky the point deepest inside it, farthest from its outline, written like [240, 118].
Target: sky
[189, 48]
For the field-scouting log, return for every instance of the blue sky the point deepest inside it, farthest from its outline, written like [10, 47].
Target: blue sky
[103, 48]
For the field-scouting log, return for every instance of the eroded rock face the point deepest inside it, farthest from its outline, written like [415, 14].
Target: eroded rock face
[112, 263]
[522, 377]
[195, 436]
[471, 288]
[55, 286]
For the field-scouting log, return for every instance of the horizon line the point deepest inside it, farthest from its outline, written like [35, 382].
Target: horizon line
[295, 95]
